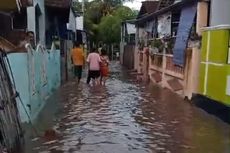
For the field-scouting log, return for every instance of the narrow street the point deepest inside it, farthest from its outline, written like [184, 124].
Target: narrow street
[125, 116]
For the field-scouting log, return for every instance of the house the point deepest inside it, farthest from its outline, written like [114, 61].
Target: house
[13, 33]
[57, 17]
[128, 50]
[162, 56]
[214, 82]
[35, 35]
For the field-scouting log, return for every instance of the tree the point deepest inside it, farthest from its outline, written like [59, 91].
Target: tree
[110, 25]
[102, 19]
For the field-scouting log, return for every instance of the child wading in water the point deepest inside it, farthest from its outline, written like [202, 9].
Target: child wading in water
[104, 66]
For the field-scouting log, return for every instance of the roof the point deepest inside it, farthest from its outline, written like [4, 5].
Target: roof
[26, 3]
[58, 3]
[133, 21]
[148, 7]
[175, 6]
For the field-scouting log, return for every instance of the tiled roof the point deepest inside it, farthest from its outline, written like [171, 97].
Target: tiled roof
[148, 7]
[58, 3]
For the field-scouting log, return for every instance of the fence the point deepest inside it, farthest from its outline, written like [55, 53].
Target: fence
[166, 65]
[10, 127]
[37, 75]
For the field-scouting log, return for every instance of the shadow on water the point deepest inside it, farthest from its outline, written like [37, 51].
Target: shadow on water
[122, 117]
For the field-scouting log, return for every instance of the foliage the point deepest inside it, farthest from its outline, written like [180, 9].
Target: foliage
[102, 19]
[157, 43]
[110, 25]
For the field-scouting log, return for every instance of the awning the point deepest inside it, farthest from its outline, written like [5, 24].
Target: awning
[9, 5]
[186, 21]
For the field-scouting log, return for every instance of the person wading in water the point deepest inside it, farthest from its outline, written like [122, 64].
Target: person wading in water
[93, 61]
[78, 59]
[104, 66]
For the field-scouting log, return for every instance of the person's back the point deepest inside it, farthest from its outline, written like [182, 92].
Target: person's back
[78, 60]
[94, 61]
[77, 56]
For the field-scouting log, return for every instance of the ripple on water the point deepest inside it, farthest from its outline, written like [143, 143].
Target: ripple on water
[129, 118]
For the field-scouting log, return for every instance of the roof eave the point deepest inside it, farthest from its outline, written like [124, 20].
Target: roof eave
[164, 10]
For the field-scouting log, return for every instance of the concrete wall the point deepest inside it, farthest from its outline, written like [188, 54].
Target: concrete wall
[202, 16]
[31, 21]
[37, 76]
[220, 12]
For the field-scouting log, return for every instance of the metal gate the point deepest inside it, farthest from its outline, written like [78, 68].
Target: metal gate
[10, 128]
[128, 56]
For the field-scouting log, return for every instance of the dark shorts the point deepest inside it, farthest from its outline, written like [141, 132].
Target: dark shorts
[94, 74]
[78, 71]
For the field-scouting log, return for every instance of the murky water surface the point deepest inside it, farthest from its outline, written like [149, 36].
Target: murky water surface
[125, 116]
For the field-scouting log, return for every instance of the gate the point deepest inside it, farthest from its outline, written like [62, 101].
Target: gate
[10, 128]
[128, 56]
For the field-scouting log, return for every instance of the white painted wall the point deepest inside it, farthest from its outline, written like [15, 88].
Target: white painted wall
[72, 21]
[220, 11]
[79, 23]
[31, 21]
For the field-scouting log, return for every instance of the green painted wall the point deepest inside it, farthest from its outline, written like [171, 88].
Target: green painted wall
[217, 68]
[219, 46]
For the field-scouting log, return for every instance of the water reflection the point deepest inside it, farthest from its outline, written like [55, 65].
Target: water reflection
[127, 117]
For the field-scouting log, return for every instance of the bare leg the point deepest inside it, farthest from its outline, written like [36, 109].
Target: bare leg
[104, 80]
[101, 80]
[94, 82]
[98, 81]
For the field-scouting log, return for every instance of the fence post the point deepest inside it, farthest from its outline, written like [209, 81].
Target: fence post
[164, 65]
[112, 52]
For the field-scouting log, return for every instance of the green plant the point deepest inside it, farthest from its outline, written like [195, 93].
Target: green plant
[156, 43]
[141, 44]
[170, 45]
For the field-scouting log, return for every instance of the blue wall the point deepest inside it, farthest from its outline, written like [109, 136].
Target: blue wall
[37, 76]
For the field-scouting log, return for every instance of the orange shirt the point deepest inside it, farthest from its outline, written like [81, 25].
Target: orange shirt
[77, 56]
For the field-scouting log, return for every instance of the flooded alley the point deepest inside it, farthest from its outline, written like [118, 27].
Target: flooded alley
[125, 116]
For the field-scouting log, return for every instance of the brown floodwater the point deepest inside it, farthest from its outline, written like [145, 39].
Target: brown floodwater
[124, 117]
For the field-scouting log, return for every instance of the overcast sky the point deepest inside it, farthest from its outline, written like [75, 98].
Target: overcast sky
[136, 4]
